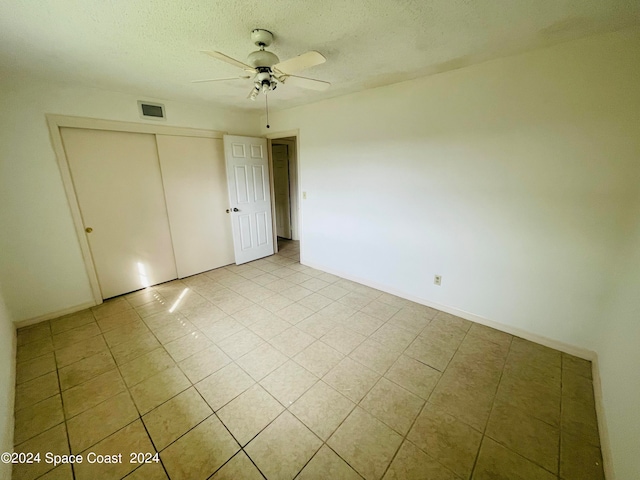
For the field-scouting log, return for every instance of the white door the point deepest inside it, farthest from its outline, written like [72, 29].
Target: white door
[195, 187]
[117, 181]
[249, 197]
[280, 156]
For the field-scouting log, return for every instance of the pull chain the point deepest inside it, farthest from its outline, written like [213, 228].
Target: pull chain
[266, 103]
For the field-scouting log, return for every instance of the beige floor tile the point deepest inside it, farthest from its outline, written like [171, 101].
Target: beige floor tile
[452, 442]
[75, 335]
[292, 341]
[295, 293]
[316, 302]
[33, 333]
[367, 444]
[317, 324]
[327, 464]
[446, 321]
[159, 305]
[261, 361]
[498, 462]
[249, 413]
[125, 333]
[318, 358]
[525, 435]
[579, 460]
[162, 319]
[411, 463]
[393, 300]
[53, 440]
[97, 423]
[224, 385]
[351, 379]
[269, 327]
[276, 303]
[109, 307]
[535, 354]
[392, 337]
[36, 390]
[322, 409]
[476, 350]
[204, 363]
[333, 292]
[411, 319]
[519, 368]
[86, 369]
[148, 471]
[294, 313]
[283, 448]
[134, 348]
[533, 398]
[240, 343]
[73, 320]
[466, 401]
[355, 300]
[92, 392]
[37, 367]
[375, 356]
[576, 365]
[77, 352]
[146, 366]
[234, 304]
[413, 375]
[435, 348]
[299, 277]
[131, 439]
[176, 417]
[577, 388]
[37, 418]
[392, 405]
[337, 311]
[62, 472]
[204, 315]
[239, 467]
[579, 419]
[315, 284]
[158, 389]
[252, 314]
[34, 349]
[222, 329]
[362, 323]
[188, 345]
[343, 339]
[287, 382]
[380, 310]
[142, 297]
[490, 334]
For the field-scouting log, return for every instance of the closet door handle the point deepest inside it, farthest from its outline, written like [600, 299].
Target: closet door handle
[228, 211]
[236, 210]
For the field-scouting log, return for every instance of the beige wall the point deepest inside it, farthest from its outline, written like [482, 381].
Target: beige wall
[513, 179]
[7, 384]
[41, 267]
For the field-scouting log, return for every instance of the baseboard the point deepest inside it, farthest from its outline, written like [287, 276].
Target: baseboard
[49, 316]
[605, 442]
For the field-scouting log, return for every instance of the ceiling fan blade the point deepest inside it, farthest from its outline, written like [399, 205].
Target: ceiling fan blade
[306, 82]
[229, 60]
[242, 77]
[296, 64]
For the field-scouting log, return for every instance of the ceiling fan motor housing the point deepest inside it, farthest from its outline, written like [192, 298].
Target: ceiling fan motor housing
[262, 58]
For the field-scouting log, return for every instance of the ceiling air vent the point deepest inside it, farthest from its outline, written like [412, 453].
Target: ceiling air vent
[150, 110]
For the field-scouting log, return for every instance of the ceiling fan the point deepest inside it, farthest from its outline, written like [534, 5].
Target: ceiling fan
[267, 70]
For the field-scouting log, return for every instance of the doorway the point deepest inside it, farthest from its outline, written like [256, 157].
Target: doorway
[285, 181]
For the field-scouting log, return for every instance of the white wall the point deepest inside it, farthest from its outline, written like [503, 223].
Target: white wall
[619, 358]
[7, 384]
[513, 179]
[41, 268]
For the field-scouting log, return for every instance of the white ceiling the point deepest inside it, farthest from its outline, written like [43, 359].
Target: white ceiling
[151, 47]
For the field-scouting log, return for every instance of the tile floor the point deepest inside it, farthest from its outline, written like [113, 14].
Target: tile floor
[275, 370]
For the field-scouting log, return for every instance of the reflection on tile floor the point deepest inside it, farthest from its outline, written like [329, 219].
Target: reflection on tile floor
[275, 370]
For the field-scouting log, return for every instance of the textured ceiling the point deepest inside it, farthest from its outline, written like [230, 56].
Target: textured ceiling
[151, 47]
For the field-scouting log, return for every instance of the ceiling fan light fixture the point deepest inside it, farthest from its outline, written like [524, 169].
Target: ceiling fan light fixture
[262, 58]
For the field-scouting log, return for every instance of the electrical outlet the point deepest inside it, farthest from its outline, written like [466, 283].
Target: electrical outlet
[437, 280]
[304, 195]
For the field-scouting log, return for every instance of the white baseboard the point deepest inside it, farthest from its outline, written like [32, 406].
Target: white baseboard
[49, 316]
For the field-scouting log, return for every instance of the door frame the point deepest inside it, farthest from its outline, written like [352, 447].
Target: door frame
[54, 123]
[293, 156]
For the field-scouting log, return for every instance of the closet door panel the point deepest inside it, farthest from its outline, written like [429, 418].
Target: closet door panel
[194, 178]
[117, 180]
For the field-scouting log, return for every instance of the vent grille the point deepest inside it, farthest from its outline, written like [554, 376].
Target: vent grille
[151, 110]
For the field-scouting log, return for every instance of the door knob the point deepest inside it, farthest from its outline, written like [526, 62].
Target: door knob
[88, 229]
[228, 210]
[236, 210]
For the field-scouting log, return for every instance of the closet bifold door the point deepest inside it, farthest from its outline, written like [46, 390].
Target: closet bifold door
[195, 189]
[117, 181]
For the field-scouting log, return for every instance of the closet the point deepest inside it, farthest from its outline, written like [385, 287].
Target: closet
[153, 206]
